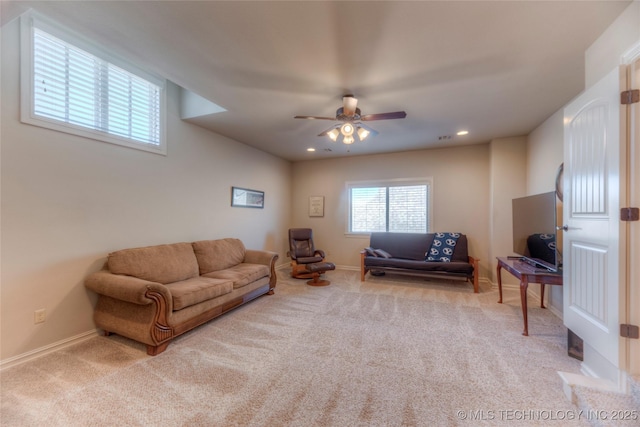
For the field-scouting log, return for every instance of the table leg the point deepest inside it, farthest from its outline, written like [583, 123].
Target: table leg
[523, 297]
[542, 295]
[499, 282]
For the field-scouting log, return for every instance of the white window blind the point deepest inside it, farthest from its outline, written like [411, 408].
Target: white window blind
[81, 90]
[399, 208]
[76, 87]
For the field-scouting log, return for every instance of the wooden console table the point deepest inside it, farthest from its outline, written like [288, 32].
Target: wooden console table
[527, 273]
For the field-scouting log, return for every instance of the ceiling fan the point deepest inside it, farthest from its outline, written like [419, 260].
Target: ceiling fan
[352, 120]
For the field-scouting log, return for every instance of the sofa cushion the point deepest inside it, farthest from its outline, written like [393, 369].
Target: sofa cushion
[193, 291]
[402, 245]
[461, 251]
[241, 274]
[214, 255]
[163, 263]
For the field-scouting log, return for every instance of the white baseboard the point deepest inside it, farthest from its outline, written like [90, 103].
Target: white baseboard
[48, 349]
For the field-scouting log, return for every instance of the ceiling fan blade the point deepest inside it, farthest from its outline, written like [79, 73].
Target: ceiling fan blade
[384, 116]
[315, 118]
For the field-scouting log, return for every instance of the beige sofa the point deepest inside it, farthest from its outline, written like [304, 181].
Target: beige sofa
[156, 293]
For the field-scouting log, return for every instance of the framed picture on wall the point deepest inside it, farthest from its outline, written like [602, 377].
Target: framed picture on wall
[245, 198]
[316, 206]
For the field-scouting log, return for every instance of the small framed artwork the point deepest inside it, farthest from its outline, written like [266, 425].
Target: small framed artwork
[316, 206]
[245, 198]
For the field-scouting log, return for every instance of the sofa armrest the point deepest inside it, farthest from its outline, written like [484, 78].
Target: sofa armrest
[267, 258]
[260, 257]
[126, 288]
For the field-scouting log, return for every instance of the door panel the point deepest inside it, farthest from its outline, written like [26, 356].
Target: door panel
[588, 293]
[594, 153]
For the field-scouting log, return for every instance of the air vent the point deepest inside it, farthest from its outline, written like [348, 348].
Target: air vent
[327, 150]
[444, 138]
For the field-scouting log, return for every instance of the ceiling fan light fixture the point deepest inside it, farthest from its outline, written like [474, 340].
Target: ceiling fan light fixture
[362, 133]
[333, 134]
[348, 139]
[347, 129]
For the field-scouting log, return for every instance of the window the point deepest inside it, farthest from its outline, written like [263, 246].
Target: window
[401, 206]
[71, 89]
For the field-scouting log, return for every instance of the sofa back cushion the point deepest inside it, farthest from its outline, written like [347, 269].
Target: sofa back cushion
[461, 251]
[414, 245]
[163, 263]
[402, 245]
[214, 255]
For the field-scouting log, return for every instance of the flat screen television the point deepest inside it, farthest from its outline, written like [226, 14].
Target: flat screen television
[536, 237]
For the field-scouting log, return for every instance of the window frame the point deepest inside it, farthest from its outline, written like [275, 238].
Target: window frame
[397, 182]
[31, 20]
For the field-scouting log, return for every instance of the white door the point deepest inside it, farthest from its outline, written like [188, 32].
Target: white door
[594, 255]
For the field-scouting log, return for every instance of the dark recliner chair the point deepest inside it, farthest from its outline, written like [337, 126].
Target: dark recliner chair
[307, 262]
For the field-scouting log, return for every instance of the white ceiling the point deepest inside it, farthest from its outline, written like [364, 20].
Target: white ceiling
[495, 68]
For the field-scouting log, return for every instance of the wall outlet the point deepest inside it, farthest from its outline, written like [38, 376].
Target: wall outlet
[40, 316]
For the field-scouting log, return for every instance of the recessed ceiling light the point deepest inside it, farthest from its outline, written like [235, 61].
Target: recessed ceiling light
[311, 149]
[463, 132]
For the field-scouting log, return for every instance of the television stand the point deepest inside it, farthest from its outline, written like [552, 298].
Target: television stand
[527, 273]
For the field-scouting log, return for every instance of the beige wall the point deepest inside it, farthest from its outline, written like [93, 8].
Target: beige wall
[67, 201]
[605, 53]
[508, 172]
[460, 195]
[544, 156]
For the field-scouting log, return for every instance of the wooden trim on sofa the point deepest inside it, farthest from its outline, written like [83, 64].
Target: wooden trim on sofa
[163, 335]
[161, 330]
[273, 278]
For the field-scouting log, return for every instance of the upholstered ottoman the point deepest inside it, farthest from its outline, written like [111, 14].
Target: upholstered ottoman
[318, 268]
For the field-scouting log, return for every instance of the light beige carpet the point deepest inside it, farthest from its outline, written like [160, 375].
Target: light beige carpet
[391, 351]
